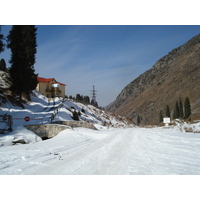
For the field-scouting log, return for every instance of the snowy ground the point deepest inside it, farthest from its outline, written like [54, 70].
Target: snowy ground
[133, 151]
[124, 151]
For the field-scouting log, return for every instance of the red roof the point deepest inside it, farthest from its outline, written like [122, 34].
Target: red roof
[47, 80]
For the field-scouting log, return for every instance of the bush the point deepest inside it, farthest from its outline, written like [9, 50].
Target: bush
[75, 116]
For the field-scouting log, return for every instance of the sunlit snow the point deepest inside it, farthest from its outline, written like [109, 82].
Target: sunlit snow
[121, 151]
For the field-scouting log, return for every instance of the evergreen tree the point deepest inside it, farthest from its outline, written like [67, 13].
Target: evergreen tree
[176, 111]
[94, 103]
[187, 108]
[181, 109]
[86, 100]
[78, 97]
[2, 45]
[161, 117]
[3, 65]
[22, 42]
[167, 111]
[81, 100]
[138, 120]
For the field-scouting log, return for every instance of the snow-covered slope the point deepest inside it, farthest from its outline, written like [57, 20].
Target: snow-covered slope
[40, 111]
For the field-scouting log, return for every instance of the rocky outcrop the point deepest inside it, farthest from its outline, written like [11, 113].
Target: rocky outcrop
[46, 131]
[74, 124]
[175, 76]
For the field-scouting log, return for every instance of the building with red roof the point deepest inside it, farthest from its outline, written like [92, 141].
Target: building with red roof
[50, 88]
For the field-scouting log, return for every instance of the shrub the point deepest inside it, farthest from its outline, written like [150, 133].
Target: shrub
[75, 116]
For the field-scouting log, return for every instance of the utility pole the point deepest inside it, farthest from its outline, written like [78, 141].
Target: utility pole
[93, 93]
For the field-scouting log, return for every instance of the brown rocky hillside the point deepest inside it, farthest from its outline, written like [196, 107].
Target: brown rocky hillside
[174, 76]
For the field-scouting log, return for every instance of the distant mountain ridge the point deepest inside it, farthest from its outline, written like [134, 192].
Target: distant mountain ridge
[173, 77]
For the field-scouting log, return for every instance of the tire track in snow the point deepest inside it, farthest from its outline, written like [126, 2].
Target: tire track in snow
[131, 151]
[155, 152]
[44, 158]
[101, 157]
[119, 151]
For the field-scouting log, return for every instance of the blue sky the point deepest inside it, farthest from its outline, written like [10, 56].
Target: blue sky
[109, 57]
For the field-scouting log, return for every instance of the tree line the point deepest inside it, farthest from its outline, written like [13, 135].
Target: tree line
[80, 98]
[180, 111]
[83, 99]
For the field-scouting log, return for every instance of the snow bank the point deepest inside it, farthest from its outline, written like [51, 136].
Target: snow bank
[19, 133]
[183, 126]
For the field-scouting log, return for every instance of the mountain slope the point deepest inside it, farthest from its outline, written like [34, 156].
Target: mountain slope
[174, 76]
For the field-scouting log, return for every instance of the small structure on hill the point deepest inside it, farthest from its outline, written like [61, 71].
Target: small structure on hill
[50, 88]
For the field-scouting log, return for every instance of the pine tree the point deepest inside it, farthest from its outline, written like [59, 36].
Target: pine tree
[187, 108]
[138, 120]
[176, 111]
[2, 45]
[81, 100]
[167, 111]
[94, 103]
[22, 42]
[78, 97]
[181, 109]
[86, 100]
[3, 65]
[161, 117]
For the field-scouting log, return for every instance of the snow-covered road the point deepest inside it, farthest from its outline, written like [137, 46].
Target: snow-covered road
[108, 151]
